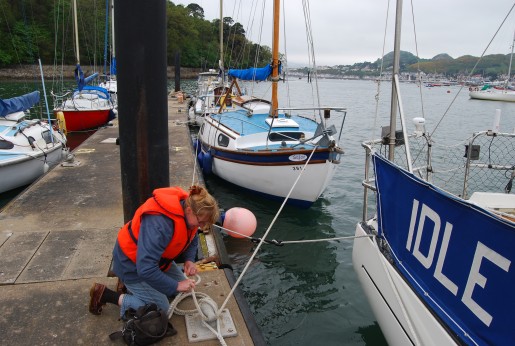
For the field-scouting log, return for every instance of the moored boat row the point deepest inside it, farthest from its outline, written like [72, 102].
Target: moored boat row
[284, 153]
[28, 148]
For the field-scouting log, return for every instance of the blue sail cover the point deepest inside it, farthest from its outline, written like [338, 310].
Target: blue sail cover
[90, 89]
[253, 73]
[79, 77]
[457, 256]
[113, 66]
[18, 104]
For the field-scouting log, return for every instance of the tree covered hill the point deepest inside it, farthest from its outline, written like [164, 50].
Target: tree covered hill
[32, 29]
[491, 66]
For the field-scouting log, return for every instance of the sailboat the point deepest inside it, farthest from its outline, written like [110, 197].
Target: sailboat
[491, 93]
[210, 86]
[436, 263]
[206, 97]
[28, 148]
[273, 151]
[87, 107]
[109, 83]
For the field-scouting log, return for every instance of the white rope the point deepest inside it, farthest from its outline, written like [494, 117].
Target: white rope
[205, 300]
[325, 239]
[281, 242]
[240, 277]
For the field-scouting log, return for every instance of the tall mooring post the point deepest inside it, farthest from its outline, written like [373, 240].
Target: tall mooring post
[177, 71]
[140, 31]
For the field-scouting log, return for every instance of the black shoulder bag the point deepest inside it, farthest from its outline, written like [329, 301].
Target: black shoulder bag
[144, 326]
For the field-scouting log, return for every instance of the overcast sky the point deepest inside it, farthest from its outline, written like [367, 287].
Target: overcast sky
[346, 32]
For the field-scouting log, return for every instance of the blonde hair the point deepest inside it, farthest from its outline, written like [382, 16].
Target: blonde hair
[202, 203]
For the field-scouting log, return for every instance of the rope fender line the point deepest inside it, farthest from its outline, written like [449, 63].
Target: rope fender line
[283, 242]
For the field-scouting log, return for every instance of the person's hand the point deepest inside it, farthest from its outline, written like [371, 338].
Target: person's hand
[186, 285]
[190, 268]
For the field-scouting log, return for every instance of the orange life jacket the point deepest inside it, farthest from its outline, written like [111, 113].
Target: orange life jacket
[165, 201]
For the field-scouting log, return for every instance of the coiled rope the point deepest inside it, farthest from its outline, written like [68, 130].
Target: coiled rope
[207, 302]
[206, 307]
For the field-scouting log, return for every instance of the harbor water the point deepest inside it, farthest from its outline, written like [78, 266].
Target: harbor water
[308, 293]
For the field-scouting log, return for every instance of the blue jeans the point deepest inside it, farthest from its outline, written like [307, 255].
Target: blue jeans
[141, 293]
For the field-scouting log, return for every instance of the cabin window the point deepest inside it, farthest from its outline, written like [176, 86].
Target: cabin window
[6, 144]
[223, 140]
[202, 129]
[47, 137]
[286, 136]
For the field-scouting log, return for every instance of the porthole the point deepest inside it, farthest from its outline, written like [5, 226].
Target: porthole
[223, 140]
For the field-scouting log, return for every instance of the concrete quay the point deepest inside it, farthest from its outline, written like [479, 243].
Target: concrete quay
[56, 240]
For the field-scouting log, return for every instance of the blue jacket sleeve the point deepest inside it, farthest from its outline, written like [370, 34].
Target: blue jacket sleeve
[191, 252]
[156, 232]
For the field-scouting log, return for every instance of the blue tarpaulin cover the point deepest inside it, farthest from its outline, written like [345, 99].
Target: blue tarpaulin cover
[79, 77]
[253, 73]
[456, 256]
[18, 104]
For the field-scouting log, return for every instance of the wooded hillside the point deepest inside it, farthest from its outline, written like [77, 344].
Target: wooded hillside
[32, 29]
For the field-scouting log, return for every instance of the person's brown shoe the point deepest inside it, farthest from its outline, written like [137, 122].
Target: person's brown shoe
[95, 293]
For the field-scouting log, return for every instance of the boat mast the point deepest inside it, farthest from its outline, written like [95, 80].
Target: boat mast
[275, 59]
[511, 59]
[76, 29]
[113, 57]
[221, 62]
[396, 68]
[106, 38]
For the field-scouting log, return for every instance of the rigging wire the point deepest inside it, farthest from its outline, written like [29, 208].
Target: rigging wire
[249, 262]
[311, 53]
[473, 69]
[11, 35]
[234, 34]
[256, 56]
[418, 59]
[283, 242]
[378, 92]
[285, 68]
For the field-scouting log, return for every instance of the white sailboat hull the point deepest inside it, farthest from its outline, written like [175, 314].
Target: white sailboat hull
[23, 168]
[257, 161]
[402, 316]
[278, 180]
[493, 95]
[27, 147]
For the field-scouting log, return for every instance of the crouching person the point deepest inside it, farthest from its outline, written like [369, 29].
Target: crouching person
[163, 228]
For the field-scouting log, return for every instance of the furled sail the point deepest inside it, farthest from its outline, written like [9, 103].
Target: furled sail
[79, 77]
[18, 104]
[253, 73]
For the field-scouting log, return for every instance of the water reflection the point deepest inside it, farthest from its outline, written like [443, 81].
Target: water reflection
[372, 335]
[286, 286]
